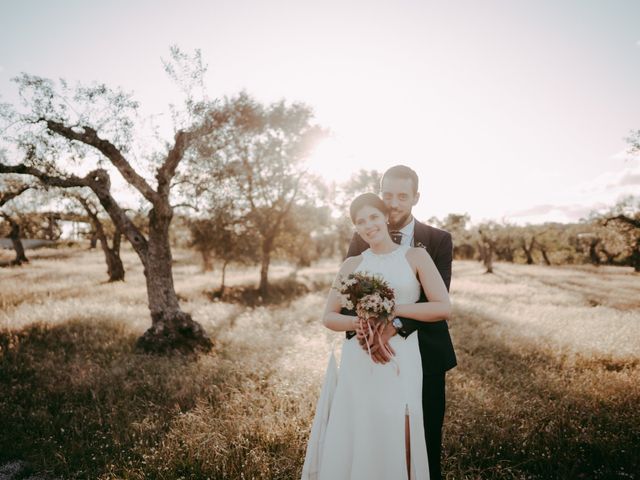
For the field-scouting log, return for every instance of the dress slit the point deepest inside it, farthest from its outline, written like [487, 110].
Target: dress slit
[407, 440]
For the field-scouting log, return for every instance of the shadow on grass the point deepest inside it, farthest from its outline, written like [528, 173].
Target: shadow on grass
[62, 252]
[518, 411]
[281, 291]
[8, 264]
[15, 299]
[623, 298]
[76, 401]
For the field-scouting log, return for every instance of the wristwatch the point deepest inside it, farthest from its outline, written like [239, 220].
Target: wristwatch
[397, 324]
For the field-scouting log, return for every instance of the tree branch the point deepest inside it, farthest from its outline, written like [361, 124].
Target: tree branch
[249, 172]
[66, 182]
[5, 197]
[187, 205]
[168, 169]
[289, 203]
[90, 137]
[623, 218]
[93, 216]
[98, 181]
[183, 140]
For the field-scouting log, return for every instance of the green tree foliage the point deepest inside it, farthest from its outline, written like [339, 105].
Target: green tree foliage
[306, 235]
[623, 242]
[255, 162]
[225, 237]
[457, 225]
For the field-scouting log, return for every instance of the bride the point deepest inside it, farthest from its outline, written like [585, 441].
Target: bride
[370, 425]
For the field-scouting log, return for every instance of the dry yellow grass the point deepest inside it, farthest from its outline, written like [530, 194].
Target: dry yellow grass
[547, 385]
[585, 310]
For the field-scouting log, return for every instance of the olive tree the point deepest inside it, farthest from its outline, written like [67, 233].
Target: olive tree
[257, 160]
[60, 127]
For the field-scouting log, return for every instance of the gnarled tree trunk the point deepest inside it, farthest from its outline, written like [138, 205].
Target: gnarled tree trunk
[545, 257]
[14, 235]
[115, 269]
[488, 258]
[486, 248]
[171, 328]
[17, 245]
[207, 264]
[267, 247]
[528, 250]
[116, 263]
[224, 272]
[93, 242]
[593, 251]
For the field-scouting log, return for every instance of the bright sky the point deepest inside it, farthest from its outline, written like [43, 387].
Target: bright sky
[506, 109]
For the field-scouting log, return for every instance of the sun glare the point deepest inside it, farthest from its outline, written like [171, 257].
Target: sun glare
[332, 160]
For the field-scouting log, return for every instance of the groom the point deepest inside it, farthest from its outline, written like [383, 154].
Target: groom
[399, 190]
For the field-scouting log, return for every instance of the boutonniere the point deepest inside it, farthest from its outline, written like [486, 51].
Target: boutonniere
[421, 245]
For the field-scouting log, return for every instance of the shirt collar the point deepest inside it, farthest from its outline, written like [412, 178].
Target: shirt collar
[407, 232]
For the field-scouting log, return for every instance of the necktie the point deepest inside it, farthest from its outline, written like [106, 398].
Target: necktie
[396, 236]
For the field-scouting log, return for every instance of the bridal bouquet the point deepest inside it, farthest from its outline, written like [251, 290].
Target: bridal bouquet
[373, 301]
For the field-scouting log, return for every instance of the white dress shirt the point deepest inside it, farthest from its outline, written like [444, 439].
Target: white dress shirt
[407, 233]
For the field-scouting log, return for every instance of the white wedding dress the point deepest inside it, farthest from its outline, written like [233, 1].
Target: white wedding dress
[359, 429]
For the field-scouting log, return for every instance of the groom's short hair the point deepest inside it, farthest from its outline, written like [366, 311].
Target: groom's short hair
[402, 172]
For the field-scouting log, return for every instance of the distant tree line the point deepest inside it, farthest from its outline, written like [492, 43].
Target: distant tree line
[605, 238]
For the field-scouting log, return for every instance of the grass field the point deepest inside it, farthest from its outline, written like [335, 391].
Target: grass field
[547, 386]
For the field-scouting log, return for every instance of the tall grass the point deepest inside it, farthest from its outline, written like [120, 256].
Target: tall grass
[547, 384]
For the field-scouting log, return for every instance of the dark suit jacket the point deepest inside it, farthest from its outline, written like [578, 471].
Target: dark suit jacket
[436, 348]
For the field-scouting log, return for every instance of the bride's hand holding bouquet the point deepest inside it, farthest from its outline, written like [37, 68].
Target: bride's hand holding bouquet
[373, 301]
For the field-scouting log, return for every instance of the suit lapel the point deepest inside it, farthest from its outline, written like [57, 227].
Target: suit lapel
[421, 236]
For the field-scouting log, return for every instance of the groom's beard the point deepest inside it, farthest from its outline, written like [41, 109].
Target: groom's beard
[402, 221]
